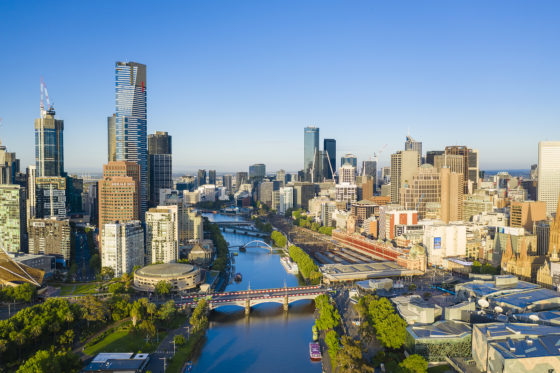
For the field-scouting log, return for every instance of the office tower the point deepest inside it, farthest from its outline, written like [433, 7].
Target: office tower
[303, 192]
[347, 174]
[526, 214]
[130, 123]
[281, 176]
[548, 187]
[411, 144]
[201, 177]
[310, 149]
[240, 179]
[266, 188]
[329, 147]
[12, 218]
[554, 242]
[160, 164]
[404, 165]
[462, 151]
[534, 172]
[9, 166]
[542, 231]
[369, 168]
[257, 172]
[49, 150]
[122, 246]
[50, 237]
[451, 195]
[346, 193]
[367, 186]
[50, 194]
[31, 207]
[423, 193]
[228, 183]
[350, 159]
[455, 163]
[286, 201]
[119, 193]
[111, 138]
[162, 235]
[319, 167]
[430, 155]
[212, 177]
[473, 170]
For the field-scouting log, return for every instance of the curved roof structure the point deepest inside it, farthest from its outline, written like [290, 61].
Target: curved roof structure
[166, 270]
[14, 273]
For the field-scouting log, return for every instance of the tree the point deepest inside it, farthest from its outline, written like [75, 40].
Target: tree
[51, 362]
[163, 287]
[151, 309]
[116, 288]
[107, 273]
[350, 357]
[415, 364]
[179, 340]
[148, 327]
[391, 331]
[95, 263]
[93, 309]
[199, 318]
[331, 340]
[167, 310]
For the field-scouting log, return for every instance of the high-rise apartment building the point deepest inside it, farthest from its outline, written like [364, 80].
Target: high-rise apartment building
[228, 183]
[162, 234]
[31, 193]
[160, 164]
[423, 193]
[310, 149]
[451, 195]
[193, 227]
[12, 218]
[257, 172]
[548, 187]
[131, 121]
[119, 193]
[111, 138]
[50, 237]
[281, 177]
[49, 144]
[51, 199]
[329, 147]
[350, 159]
[404, 165]
[201, 177]
[241, 178]
[122, 246]
[286, 200]
[411, 144]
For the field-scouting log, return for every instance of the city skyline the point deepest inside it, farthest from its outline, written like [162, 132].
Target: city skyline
[496, 58]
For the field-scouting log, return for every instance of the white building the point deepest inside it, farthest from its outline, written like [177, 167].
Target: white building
[122, 246]
[549, 174]
[207, 192]
[327, 210]
[346, 193]
[445, 240]
[162, 234]
[347, 174]
[286, 201]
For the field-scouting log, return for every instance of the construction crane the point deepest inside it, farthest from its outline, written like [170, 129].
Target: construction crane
[44, 93]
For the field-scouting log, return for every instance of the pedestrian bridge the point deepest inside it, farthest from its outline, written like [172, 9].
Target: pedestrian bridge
[249, 298]
[234, 223]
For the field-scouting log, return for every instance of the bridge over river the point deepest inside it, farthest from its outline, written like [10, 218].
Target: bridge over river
[249, 298]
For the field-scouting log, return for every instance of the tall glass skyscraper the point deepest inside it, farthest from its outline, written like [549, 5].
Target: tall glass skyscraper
[49, 144]
[130, 121]
[329, 146]
[159, 164]
[310, 148]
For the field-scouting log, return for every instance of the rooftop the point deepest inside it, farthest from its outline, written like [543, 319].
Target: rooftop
[440, 329]
[547, 345]
[527, 298]
[166, 270]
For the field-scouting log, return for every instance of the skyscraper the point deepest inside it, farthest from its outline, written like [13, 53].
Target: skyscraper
[9, 166]
[50, 194]
[131, 121]
[404, 165]
[350, 159]
[162, 235]
[329, 147]
[451, 195]
[123, 246]
[201, 177]
[212, 177]
[160, 164]
[49, 150]
[463, 151]
[549, 174]
[310, 148]
[111, 138]
[369, 168]
[257, 171]
[411, 144]
[12, 218]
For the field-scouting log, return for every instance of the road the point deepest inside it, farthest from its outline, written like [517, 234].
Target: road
[164, 352]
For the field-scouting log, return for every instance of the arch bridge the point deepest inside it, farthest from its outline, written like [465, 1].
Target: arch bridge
[260, 243]
[249, 298]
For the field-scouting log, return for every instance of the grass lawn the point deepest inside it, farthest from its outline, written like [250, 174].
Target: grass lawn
[75, 289]
[123, 340]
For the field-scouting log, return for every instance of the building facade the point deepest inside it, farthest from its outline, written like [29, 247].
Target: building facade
[122, 246]
[310, 149]
[162, 235]
[50, 237]
[404, 165]
[49, 144]
[329, 147]
[548, 188]
[12, 218]
[160, 164]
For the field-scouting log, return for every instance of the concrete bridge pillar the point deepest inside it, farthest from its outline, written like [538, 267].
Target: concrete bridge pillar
[247, 307]
[286, 304]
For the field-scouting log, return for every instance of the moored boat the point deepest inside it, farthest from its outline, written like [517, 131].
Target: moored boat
[314, 351]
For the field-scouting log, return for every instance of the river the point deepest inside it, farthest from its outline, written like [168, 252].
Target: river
[269, 340]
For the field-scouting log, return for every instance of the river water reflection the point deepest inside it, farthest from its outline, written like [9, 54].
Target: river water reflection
[269, 340]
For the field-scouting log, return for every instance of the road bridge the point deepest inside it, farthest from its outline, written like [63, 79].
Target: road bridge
[249, 298]
[244, 231]
[233, 223]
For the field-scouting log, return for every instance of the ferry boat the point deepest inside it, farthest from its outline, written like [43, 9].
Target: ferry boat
[238, 277]
[289, 266]
[315, 351]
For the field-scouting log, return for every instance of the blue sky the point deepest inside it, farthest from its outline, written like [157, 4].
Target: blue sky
[235, 82]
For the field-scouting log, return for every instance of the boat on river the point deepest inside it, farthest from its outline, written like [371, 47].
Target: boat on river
[315, 351]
